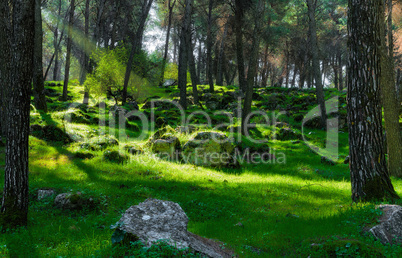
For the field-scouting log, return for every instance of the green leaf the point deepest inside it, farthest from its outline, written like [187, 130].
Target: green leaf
[118, 236]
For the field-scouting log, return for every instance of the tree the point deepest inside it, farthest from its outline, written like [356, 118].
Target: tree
[86, 67]
[369, 175]
[315, 62]
[252, 70]
[170, 6]
[69, 45]
[17, 32]
[390, 102]
[38, 81]
[136, 44]
[183, 53]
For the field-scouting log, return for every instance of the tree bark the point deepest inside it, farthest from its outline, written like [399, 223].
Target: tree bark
[239, 14]
[219, 77]
[369, 175]
[193, 71]
[38, 81]
[183, 53]
[316, 63]
[252, 69]
[209, 48]
[68, 55]
[18, 45]
[390, 102]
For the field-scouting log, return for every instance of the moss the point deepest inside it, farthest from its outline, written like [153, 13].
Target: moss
[349, 248]
[376, 189]
[114, 156]
[12, 217]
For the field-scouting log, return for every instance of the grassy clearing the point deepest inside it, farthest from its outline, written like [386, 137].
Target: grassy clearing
[296, 209]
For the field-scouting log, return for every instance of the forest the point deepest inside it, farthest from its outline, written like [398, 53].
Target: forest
[200, 128]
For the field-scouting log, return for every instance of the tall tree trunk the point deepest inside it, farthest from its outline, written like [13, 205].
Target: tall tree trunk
[316, 62]
[193, 71]
[293, 83]
[239, 14]
[390, 102]
[252, 69]
[18, 45]
[85, 69]
[199, 61]
[56, 69]
[38, 81]
[183, 53]
[209, 48]
[136, 45]
[68, 55]
[219, 77]
[340, 70]
[164, 61]
[368, 171]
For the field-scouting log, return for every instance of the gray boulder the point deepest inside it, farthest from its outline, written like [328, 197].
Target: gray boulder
[154, 220]
[209, 149]
[166, 146]
[72, 201]
[44, 193]
[390, 228]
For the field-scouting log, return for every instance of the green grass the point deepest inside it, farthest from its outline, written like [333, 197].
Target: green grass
[298, 209]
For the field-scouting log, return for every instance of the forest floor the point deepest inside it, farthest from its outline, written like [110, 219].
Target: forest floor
[297, 208]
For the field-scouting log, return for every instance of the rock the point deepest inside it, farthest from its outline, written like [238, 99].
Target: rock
[284, 134]
[389, 231]
[99, 143]
[186, 129]
[327, 161]
[50, 133]
[209, 149]
[71, 201]
[132, 105]
[169, 82]
[212, 104]
[44, 193]
[167, 146]
[154, 220]
[83, 155]
[134, 150]
[115, 156]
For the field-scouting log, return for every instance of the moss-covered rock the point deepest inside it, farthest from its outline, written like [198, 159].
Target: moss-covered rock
[209, 149]
[286, 133]
[83, 155]
[50, 133]
[100, 142]
[115, 156]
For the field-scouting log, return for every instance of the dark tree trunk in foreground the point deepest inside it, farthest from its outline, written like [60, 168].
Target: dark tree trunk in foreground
[368, 171]
[316, 62]
[183, 54]
[390, 102]
[17, 33]
[69, 45]
[38, 80]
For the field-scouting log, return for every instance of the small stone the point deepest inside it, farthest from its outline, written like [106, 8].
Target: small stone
[239, 224]
[44, 193]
